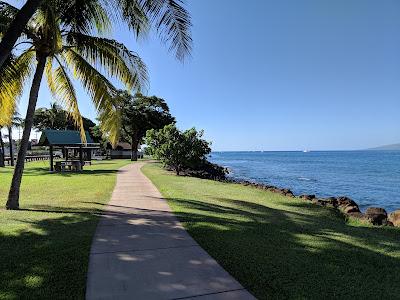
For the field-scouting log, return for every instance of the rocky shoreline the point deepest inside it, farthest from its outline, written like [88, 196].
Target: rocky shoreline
[374, 215]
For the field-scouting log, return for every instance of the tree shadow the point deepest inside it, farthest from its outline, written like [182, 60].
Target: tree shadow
[49, 260]
[292, 253]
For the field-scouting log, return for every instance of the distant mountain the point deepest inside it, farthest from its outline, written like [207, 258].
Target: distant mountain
[387, 147]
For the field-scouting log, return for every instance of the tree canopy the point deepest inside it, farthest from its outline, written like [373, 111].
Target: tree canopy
[57, 118]
[176, 149]
[139, 113]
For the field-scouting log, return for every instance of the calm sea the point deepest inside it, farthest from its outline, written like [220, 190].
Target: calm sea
[371, 178]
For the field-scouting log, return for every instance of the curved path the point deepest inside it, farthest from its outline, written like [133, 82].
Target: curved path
[141, 251]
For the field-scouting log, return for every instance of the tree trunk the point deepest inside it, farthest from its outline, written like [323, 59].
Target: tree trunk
[13, 196]
[10, 141]
[2, 154]
[16, 27]
[134, 144]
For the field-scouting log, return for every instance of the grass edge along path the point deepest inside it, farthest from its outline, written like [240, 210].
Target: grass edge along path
[44, 247]
[278, 247]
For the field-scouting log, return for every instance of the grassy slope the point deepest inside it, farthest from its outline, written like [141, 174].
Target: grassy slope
[44, 248]
[279, 247]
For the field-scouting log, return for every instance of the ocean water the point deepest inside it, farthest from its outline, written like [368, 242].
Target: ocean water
[371, 178]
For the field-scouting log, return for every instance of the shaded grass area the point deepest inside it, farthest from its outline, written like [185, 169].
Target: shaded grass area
[44, 247]
[279, 247]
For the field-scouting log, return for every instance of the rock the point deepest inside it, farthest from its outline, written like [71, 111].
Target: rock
[394, 217]
[307, 197]
[376, 215]
[346, 205]
[350, 209]
[330, 202]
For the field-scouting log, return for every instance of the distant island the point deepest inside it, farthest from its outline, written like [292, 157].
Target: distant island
[387, 147]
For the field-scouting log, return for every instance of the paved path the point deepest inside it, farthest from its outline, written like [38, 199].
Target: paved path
[141, 251]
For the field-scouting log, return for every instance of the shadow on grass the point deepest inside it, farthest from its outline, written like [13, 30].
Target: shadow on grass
[288, 254]
[49, 261]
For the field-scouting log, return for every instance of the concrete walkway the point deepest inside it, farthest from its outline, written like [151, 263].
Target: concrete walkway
[141, 251]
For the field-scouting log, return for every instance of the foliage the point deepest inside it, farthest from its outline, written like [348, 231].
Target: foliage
[177, 150]
[57, 118]
[69, 51]
[138, 114]
[283, 248]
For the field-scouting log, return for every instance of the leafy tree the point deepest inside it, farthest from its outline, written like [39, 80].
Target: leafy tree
[56, 117]
[139, 114]
[177, 150]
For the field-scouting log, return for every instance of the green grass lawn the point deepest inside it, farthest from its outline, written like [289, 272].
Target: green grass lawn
[279, 247]
[44, 247]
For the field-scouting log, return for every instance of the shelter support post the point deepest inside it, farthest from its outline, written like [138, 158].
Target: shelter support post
[51, 159]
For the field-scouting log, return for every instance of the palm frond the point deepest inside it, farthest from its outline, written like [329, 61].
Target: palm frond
[84, 16]
[113, 57]
[97, 85]
[12, 80]
[132, 13]
[172, 22]
[63, 91]
[110, 123]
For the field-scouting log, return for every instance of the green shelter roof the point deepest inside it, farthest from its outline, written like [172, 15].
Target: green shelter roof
[62, 137]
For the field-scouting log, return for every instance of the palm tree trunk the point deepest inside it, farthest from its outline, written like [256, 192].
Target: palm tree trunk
[13, 196]
[10, 141]
[2, 154]
[16, 27]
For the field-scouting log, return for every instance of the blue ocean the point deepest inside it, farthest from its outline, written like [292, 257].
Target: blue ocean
[371, 178]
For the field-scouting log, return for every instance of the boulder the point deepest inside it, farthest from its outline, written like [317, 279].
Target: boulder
[376, 215]
[330, 202]
[394, 217]
[307, 197]
[346, 205]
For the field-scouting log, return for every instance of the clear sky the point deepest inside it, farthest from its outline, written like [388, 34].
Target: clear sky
[281, 75]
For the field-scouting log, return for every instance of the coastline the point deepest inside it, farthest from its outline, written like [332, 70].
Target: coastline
[347, 206]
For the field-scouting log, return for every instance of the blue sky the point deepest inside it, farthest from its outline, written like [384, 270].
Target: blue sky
[281, 75]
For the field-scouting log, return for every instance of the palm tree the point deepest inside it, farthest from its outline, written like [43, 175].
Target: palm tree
[15, 122]
[14, 30]
[169, 17]
[64, 43]
[60, 51]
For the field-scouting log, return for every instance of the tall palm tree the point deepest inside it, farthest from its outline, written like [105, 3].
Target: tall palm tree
[169, 17]
[60, 51]
[15, 122]
[14, 30]
[61, 34]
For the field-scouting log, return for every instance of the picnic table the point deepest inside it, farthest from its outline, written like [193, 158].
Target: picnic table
[71, 165]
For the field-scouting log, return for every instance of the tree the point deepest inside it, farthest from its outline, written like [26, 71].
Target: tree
[15, 122]
[57, 118]
[169, 17]
[63, 32]
[139, 114]
[16, 27]
[59, 52]
[177, 150]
